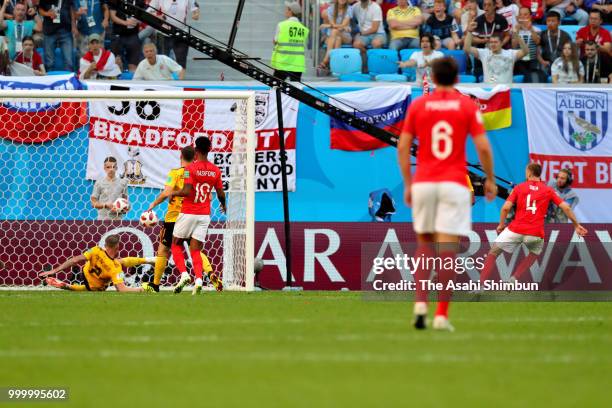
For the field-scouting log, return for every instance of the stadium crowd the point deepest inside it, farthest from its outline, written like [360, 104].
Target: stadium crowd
[93, 38]
[559, 41]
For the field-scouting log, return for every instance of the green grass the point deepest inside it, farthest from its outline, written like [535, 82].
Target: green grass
[301, 349]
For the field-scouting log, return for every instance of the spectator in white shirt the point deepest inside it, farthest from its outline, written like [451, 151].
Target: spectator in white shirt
[371, 30]
[98, 63]
[157, 67]
[567, 69]
[178, 10]
[422, 59]
[497, 63]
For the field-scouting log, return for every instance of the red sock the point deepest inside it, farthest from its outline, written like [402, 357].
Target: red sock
[487, 269]
[179, 257]
[445, 275]
[196, 258]
[420, 274]
[524, 265]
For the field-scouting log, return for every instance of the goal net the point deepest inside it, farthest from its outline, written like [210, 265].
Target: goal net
[54, 146]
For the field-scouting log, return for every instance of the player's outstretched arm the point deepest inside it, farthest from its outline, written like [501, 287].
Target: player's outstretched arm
[403, 154]
[69, 263]
[467, 47]
[221, 198]
[161, 197]
[580, 230]
[485, 155]
[122, 287]
[503, 214]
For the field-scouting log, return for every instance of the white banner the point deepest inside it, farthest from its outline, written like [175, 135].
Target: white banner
[570, 129]
[145, 136]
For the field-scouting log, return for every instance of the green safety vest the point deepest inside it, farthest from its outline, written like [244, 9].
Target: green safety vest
[288, 54]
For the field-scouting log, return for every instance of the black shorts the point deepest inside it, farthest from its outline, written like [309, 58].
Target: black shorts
[165, 235]
[131, 44]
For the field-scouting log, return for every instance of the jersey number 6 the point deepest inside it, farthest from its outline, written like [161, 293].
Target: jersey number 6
[441, 141]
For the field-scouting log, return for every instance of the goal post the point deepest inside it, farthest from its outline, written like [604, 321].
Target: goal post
[54, 145]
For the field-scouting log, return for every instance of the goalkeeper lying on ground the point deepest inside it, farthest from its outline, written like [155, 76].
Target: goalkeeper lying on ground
[101, 269]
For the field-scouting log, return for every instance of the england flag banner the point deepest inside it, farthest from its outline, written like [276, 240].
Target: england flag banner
[383, 106]
[146, 136]
[570, 129]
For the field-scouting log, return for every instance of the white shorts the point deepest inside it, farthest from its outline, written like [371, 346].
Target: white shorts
[191, 226]
[444, 207]
[508, 241]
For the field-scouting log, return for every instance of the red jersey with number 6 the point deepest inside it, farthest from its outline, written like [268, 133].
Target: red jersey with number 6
[203, 177]
[441, 122]
[531, 199]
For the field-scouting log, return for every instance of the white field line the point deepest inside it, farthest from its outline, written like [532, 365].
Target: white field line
[309, 357]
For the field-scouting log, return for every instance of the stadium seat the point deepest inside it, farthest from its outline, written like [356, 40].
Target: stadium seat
[391, 77]
[345, 61]
[126, 75]
[382, 61]
[467, 79]
[518, 79]
[357, 77]
[571, 30]
[58, 72]
[405, 56]
[459, 56]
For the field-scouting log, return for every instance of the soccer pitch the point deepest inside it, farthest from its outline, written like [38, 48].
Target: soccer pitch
[301, 349]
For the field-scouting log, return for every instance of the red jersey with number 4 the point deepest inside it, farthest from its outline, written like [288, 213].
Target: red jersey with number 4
[203, 177]
[531, 199]
[441, 122]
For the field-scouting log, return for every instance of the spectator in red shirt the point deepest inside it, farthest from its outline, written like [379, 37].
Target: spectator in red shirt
[29, 57]
[536, 7]
[594, 32]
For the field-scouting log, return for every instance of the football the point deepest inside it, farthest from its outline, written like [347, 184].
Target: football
[148, 218]
[121, 205]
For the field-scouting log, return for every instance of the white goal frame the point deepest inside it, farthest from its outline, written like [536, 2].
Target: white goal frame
[247, 96]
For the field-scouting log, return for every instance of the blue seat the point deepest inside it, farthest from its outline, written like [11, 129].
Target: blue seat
[356, 77]
[391, 77]
[345, 61]
[405, 56]
[571, 30]
[57, 72]
[467, 79]
[382, 61]
[518, 79]
[126, 75]
[459, 56]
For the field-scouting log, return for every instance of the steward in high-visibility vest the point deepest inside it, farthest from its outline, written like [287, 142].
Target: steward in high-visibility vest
[288, 59]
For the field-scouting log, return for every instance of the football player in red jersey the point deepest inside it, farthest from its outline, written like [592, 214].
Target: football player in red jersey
[200, 177]
[531, 199]
[438, 193]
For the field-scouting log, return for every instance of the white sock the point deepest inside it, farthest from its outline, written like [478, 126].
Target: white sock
[198, 282]
[185, 275]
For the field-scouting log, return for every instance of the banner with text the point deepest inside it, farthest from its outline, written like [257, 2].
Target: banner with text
[145, 136]
[570, 129]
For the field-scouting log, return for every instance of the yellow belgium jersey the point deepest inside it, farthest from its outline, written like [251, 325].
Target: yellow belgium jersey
[101, 270]
[175, 180]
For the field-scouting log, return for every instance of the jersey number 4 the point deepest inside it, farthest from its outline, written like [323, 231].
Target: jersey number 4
[201, 192]
[441, 140]
[531, 205]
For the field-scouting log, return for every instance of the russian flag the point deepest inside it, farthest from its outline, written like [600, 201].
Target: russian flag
[384, 106]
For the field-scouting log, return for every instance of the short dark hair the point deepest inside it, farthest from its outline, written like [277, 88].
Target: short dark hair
[187, 153]
[535, 169]
[27, 38]
[591, 43]
[444, 71]
[111, 241]
[110, 159]
[596, 12]
[499, 36]
[554, 14]
[202, 145]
